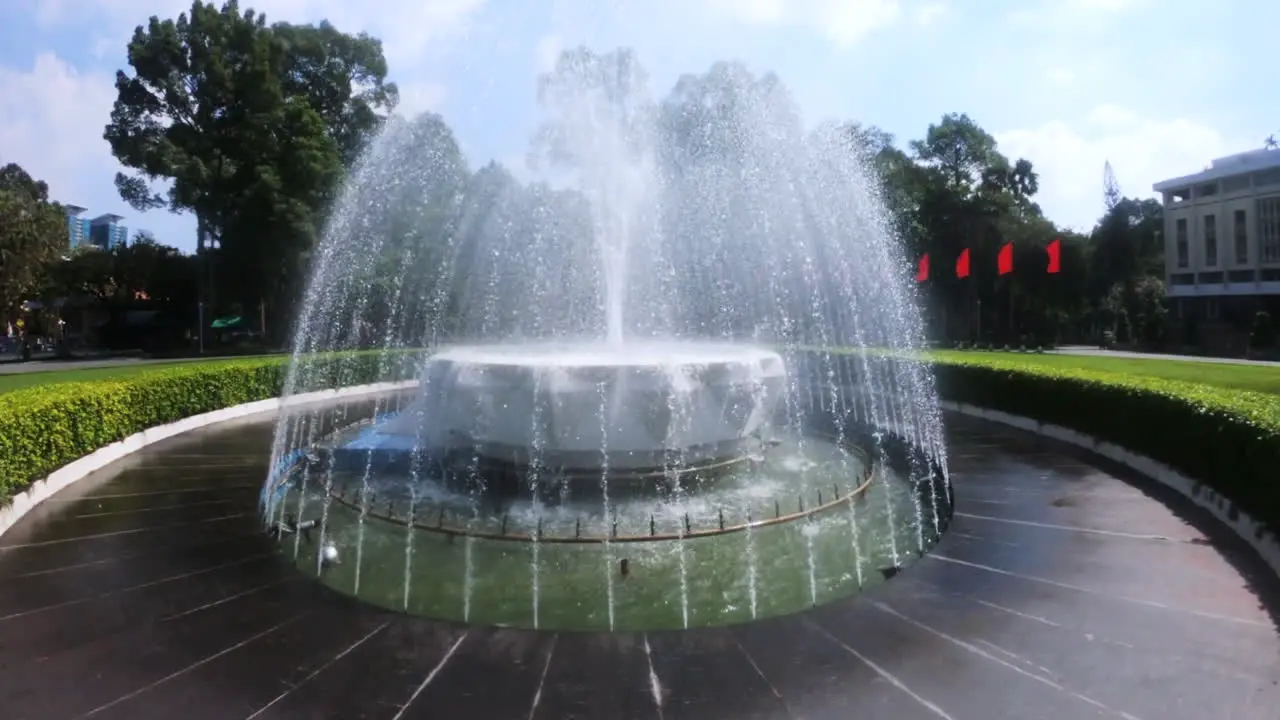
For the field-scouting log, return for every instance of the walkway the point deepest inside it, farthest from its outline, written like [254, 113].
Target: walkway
[1060, 591]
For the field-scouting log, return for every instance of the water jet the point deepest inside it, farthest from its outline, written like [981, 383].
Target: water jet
[677, 349]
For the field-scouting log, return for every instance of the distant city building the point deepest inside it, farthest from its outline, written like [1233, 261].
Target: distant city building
[77, 227]
[104, 232]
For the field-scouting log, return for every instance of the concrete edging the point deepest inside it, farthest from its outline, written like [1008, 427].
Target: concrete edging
[1251, 531]
[76, 470]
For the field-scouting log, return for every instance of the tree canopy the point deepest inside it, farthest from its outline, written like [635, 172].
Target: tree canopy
[33, 235]
[249, 126]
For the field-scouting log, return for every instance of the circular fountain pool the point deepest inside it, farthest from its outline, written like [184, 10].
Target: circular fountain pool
[806, 519]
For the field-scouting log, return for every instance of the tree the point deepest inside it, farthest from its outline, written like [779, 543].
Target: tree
[223, 109]
[145, 237]
[597, 106]
[960, 150]
[14, 179]
[1126, 244]
[148, 270]
[962, 193]
[86, 272]
[901, 180]
[343, 77]
[33, 235]
[1147, 310]
[405, 212]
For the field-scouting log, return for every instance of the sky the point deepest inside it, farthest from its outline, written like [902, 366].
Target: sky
[1157, 89]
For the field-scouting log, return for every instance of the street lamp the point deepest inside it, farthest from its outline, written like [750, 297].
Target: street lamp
[209, 242]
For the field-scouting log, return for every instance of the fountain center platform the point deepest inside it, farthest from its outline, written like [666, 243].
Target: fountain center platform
[636, 408]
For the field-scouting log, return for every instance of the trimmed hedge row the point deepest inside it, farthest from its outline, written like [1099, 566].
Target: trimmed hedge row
[1228, 439]
[45, 427]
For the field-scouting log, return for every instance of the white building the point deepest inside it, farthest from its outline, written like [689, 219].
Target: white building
[1222, 237]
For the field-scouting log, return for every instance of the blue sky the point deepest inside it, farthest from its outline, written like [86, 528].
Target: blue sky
[1159, 89]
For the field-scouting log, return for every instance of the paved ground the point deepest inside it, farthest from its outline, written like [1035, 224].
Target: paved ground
[1060, 591]
[1093, 351]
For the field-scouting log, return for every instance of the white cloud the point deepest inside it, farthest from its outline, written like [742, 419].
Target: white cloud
[51, 123]
[1073, 12]
[547, 52]
[843, 22]
[1142, 151]
[930, 13]
[1102, 5]
[408, 28]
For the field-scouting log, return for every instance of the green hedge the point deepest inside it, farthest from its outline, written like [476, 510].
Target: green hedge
[1228, 439]
[45, 427]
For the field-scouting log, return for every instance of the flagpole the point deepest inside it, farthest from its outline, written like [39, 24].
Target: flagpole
[1013, 325]
[975, 312]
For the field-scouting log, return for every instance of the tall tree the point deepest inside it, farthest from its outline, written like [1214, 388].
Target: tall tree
[901, 181]
[960, 150]
[14, 179]
[33, 235]
[344, 79]
[591, 99]
[222, 109]
[84, 273]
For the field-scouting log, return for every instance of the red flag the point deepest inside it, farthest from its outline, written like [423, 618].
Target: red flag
[962, 264]
[922, 271]
[1055, 256]
[1004, 261]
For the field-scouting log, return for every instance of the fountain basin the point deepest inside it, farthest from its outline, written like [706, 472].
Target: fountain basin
[582, 409]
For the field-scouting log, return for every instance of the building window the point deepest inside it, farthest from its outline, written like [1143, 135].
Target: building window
[1241, 233]
[1207, 190]
[1211, 240]
[1180, 234]
[1268, 217]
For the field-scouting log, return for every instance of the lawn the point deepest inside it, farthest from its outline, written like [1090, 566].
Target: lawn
[10, 381]
[1257, 378]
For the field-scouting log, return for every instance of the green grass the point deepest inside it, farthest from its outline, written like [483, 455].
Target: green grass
[10, 381]
[1254, 378]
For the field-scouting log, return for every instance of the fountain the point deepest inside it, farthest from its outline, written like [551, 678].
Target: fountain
[635, 396]
[479, 400]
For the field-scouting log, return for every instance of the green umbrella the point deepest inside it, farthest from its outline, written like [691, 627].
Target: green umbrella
[227, 322]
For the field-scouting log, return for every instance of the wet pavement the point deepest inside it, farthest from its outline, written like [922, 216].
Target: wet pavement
[1064, 589]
